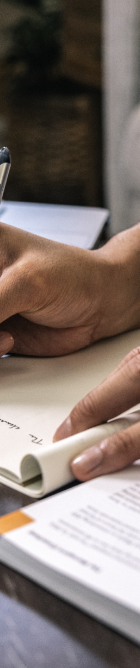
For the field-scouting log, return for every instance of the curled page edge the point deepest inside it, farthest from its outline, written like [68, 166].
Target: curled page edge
[53, 465]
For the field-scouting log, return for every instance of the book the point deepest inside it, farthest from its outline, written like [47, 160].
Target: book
[83, 544]
[36, 395]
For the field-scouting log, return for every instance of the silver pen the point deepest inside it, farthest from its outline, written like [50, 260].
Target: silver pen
[5, 164]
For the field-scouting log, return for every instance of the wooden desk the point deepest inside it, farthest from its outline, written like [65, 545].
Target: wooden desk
[38, 630]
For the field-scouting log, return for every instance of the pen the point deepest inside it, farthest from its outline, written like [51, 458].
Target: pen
[5, 164]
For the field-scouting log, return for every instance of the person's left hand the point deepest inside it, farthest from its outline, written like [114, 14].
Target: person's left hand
[118, 393]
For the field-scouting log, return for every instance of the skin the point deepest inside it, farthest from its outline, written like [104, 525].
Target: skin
[55, 299]
[118, 393]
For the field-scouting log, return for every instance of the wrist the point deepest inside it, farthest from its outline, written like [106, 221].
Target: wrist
[118, 284]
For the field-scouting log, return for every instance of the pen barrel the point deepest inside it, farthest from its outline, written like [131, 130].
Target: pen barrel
[4, 171]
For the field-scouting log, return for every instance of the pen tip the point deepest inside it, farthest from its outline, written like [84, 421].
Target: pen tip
[5, 155]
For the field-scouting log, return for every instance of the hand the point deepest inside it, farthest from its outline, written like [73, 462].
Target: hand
[55, 299]
[118, 393]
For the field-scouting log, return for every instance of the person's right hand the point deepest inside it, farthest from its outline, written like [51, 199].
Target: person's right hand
[55, 299]
[117, 394]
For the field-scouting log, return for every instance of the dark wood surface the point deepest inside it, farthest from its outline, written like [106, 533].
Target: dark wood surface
[38, 630]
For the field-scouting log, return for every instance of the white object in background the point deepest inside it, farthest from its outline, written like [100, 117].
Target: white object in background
[121, 67]
[73, 225]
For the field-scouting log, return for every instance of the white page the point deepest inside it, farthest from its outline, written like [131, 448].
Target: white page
[25, 458]
[36, 395]
[90, 534]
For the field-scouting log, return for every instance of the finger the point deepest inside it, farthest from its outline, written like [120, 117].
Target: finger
[13, 245]
[119, 392]
[21, 262]
[38, 340]
[112, 454]
[6, 343]
[124, 361]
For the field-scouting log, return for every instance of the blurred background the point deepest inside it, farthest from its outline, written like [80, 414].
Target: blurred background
[70, 103]
[51, 100]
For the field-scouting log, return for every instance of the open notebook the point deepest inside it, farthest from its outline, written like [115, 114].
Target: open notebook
[36, 395]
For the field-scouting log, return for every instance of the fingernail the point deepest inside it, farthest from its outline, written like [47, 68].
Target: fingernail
[6, 342]
[87, 461]
[63, 431]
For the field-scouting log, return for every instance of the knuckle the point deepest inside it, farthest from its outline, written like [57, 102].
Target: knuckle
[88, 404]
[136, 352]
[135, 363]
[124, 443]
[84, 412]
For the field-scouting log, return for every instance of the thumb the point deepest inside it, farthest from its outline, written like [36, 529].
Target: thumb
[6, 343]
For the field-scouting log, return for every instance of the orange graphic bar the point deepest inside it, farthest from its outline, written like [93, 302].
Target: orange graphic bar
[13, 521]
